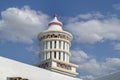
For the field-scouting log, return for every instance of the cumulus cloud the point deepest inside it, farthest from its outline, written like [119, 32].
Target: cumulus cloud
[94, 29]
[79, 55]
[90, 68]
[96, 15]
[21, 25]
[116, 46]
[116, 6]
[33, 49]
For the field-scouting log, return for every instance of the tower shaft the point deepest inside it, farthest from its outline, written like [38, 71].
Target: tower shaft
[55, 49]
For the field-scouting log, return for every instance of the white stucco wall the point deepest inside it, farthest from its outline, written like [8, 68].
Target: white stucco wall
[11, 68]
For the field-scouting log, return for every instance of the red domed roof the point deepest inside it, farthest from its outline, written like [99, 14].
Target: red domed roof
[55, 21]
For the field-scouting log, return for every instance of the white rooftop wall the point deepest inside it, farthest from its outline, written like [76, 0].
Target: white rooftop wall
[11, 68]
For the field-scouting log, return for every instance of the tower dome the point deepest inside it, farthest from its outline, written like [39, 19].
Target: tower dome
[55, 24]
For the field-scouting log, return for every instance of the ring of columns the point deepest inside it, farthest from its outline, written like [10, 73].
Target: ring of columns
[55, 45]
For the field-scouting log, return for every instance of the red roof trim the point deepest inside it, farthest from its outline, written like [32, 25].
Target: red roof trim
[55, 23]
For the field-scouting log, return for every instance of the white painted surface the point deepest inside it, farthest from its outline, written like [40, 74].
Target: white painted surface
[73, 69]
[48, 55]
[68, 47]
[52, 54]
[53, 44]
[55, 27]
[65, 45]
[62, 45]
[45, 45]
[57, 55]
[48, 43]
[61, 56]
[54, 64]
[57, 44]
[65, 57]
[11, 68]
[56, 47]
[44, 56]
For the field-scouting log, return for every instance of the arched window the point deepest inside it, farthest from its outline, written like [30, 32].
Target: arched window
[64, 36]
[47, 36]
[59, 35]
[67, 37]
[56, 36]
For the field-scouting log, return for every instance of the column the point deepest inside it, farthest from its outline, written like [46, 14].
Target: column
[52, 54]
[44, 45]
[61, 45]
[68, 46]
[57, 44]
[61, 56]
[57, 55]
[53, 44]
[44, 56]
[48, 44]
[65, 57]
[68, 58]
[65, 45]
[48, 55]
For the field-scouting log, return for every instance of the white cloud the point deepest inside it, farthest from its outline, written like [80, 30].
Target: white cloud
[113, 62]
[21, 25]
[33, 49]
[93, 15]
[87, 77]
[116, 6]
[79, 55]
[94, 30]
[116, 46]
[90, 68]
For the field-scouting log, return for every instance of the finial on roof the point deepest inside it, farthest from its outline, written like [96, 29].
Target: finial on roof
[55, 21]
[55, 15]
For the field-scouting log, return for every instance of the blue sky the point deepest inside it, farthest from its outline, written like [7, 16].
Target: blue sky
[93, 23]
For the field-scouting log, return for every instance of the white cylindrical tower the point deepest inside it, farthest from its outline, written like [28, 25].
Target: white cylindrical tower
[55, 44]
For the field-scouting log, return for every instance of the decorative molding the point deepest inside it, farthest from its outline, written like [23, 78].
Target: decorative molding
[64, 70]
[55, 31]
[47, 50]
[56, 60]
[16, 78]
